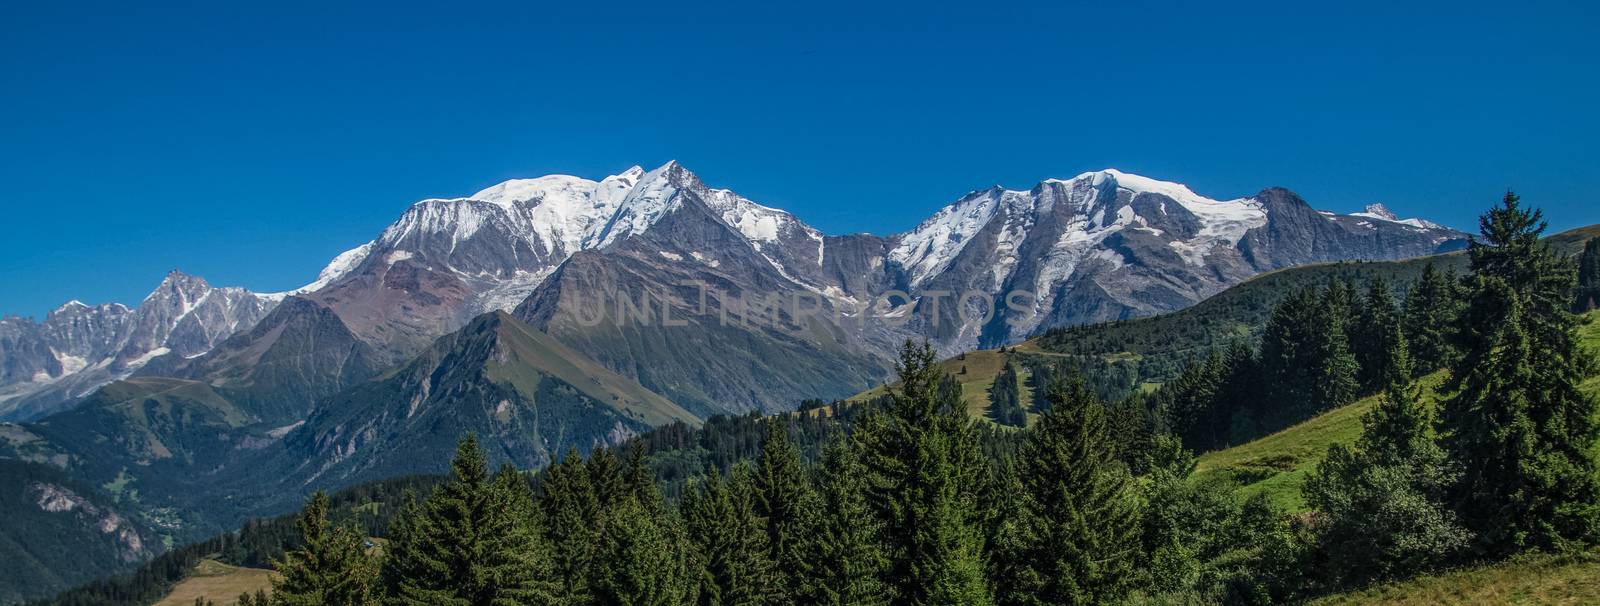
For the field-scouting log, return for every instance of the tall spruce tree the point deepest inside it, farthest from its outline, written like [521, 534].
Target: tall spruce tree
[606, 476]
[331, 567]
[1372, 332]
[572, 528]
[1080, 517]
[730, 540]
[1381, 513]
[1431, 308]
[473, 542]
[1517, 424]
[785, 501]
[1305, 357]
[1005, 397]
[1192, 404]
[647, 559]
[925, 475]
[1239, 391]
[844, 565]
[1586, 296]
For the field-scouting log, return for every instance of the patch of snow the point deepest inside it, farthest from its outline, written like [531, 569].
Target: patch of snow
[670, 255]
[147, 357]
[1382, 213]
[932, 246]
[340, 267]
[396, 256]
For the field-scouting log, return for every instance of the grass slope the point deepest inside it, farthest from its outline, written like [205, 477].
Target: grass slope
[217, 582]
[1538, 579]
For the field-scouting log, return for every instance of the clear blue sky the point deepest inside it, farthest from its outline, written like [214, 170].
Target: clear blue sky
[250, 145]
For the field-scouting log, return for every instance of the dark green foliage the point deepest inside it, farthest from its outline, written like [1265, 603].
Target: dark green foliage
[1517, 424]
[1201, 545]
[605, 475]
[843, 563]
[1380, 508]
[1005, 398]
[330, 568]
[1431, 308]
[1192, 406]
[472, 542]
[1078, 527]
[1586, 296]
[924, 474]
[1305, 358]
[1133, 427]
[787, 505]
[1374, 326]
[572, 526]
[648, 560]
[730, 542]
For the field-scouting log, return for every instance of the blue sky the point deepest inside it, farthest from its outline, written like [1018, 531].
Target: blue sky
[250, 142]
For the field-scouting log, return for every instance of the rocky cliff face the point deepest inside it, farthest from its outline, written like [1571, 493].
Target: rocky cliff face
[45, 365]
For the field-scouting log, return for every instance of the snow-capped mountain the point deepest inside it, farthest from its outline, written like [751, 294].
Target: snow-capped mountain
[80, 347]
[1100, 246]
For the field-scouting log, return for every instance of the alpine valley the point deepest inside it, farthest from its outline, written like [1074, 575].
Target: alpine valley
[559, 312]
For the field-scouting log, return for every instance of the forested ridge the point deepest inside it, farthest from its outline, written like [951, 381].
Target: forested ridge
[1068, 499]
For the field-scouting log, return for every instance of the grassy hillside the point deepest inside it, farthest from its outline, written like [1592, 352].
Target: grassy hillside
[217, 582]
[1538, 579]
[1279, 463]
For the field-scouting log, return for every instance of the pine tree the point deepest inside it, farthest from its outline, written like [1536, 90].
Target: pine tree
[573, 526]
[646, 556]
[1005, 398]
[1517, 424]
[1587, 294]
[472, 542]
[1191, 403]
[331, 567]
[1372, 333]
[925, 474]
[1381, 513]
[1239, 391]
[785, 501]
[1431, 308]
[730, 540]
[1080, 521]
[1305, 357]
[843, 565]
[606, 476]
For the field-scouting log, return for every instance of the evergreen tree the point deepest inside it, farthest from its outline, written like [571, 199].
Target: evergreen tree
[1431, 308]
[1239, 391]
[1380, 508]
[785, 501]
[330, 568]
[843, 563]
[573, 528]
[606, 476]
[472, 542]
[730, 541]
[1372, 334]
[1080, 524]
[646, 556]
[1192, 404]
[1133, 431]
[1005, 398]
[1305, 357]
[1587, 294]
[925, 474]
[1517, 424]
